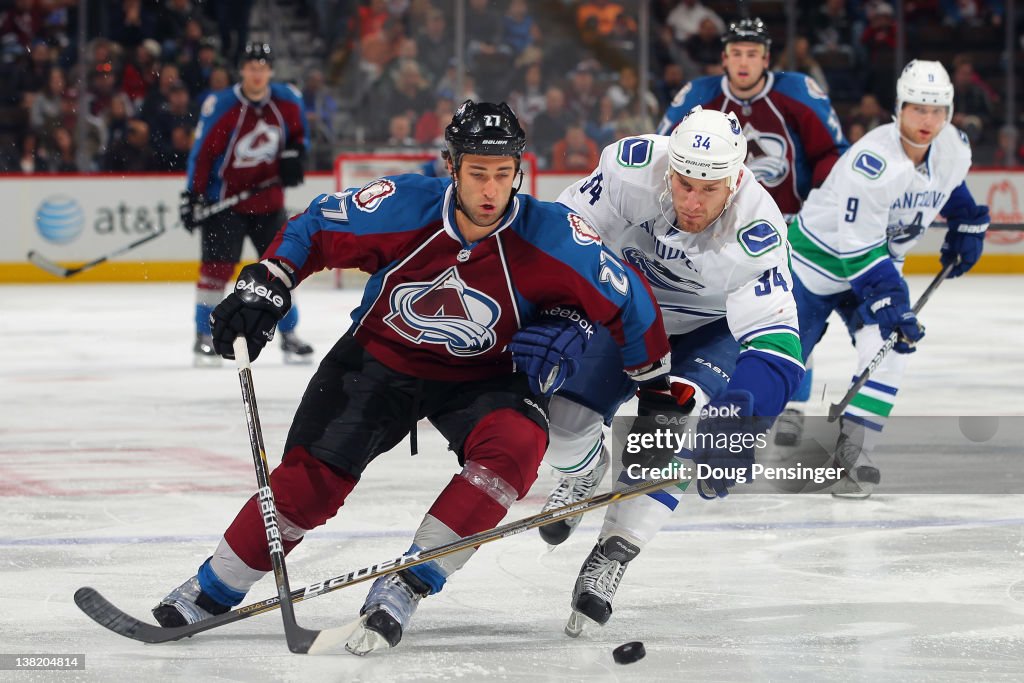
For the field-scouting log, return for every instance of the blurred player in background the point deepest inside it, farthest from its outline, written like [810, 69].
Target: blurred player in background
[248, 134]
[460, 268]
[852, 235]
[794, 136]
[687, 214]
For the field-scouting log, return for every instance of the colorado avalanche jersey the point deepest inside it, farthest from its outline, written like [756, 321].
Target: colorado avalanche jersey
[793, 135]
[875, 205]
[737, 268]
[239, 143]
[438, 307]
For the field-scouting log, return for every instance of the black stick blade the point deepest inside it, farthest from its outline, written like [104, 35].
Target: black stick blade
[104, 613]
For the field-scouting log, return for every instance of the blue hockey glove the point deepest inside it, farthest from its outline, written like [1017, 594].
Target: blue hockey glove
[260, 299]
[548, 351]
[965, 240]
[887, 304]
[724, 445]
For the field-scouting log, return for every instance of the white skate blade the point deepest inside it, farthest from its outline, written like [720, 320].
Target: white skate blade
[363, 641]
[330, 639]
[847, 488]
[574, 627]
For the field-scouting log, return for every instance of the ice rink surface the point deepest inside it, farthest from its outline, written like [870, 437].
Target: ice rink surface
[120, 465]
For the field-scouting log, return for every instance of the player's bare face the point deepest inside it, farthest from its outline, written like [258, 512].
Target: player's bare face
[698, 203]
[745, 64]
[256, 76]
[485, 187]
[920, 123]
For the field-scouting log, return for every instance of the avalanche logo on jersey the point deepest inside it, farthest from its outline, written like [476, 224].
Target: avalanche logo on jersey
[657, 274]
[445, 311]
[370, 197]
[759, 238]
[767, 156]
[582, 233]
[258, 146]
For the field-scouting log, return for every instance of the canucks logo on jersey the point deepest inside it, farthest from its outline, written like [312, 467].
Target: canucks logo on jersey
[445, 311]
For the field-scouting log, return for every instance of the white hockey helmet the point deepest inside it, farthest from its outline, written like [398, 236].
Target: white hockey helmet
[708, 145]
[925, 82]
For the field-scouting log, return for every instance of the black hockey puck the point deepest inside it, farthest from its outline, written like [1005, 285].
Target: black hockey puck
[628, 653]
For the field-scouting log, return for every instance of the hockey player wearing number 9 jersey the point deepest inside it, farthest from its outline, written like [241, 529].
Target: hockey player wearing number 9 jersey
[711, 242]
[852, 235]
[461, 270]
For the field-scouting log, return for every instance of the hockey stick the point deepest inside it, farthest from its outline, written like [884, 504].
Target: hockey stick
[299, 639]
[55, 268]
[104, 613]
[836, 409]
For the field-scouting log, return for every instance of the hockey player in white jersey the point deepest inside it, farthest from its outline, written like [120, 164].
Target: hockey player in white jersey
[711, 242]
[852, 235]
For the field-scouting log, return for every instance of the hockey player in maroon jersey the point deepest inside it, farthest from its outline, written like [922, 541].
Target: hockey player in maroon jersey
[469, 281]
[247, 134]
[793, 134]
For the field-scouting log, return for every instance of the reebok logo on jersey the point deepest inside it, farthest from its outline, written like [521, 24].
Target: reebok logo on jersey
[259, 291]
[571, 315]
[869, 165]
[759, 238]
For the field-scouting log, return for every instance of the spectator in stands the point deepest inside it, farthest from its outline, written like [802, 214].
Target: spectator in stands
[115, 120]
[37, 74]
[24, 21]
[600, 14]
[583, 91]
[196, 72]
[626, 90]
[321, 107]
[29, 161]
[549, 126]
[623, 37]
[804, 62]
[406, 93]
[705, 48]
[45, 114]
[140, 72]
[686, 17]
[831, 28]
[575, 151]
[430, 126]
[527, 96]
[134, 154]
[132, 23]
[855, 131]
[233, 21]
[1008, 152]
[172, 20]
[400, 133]
[602, 126]
[371, 18]
[880, 34]
[175, 112]
[176, 158]
[434, 47]
[58, 155]
[518, 29]
[972, 105]
[159, 94]
[869, 113]
[377, 50]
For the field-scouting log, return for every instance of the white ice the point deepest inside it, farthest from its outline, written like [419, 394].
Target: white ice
[120, 465]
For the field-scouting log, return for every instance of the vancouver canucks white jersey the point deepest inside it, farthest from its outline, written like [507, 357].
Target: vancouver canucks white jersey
[737, 268]
[874, 205]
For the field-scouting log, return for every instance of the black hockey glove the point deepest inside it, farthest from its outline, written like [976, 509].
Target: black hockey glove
[190, 208]
[261, 298]
[293, 158]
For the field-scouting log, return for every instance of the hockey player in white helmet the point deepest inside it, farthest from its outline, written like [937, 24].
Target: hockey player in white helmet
[852, 235]
[686, 213]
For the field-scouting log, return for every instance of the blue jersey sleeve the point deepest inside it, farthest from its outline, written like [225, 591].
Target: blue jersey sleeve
[207, 153]
[771, 379]
[699, 91]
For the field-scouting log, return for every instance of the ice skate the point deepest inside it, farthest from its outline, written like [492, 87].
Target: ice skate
[187, 604]
[203, 355]
[598, 580]
[861, 475]
[386, 613]
[296, 351]
[568, 491]
[789, 428]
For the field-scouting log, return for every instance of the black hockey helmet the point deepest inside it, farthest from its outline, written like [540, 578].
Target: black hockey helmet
[484, 128]
[747, 31]
[258, 51]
